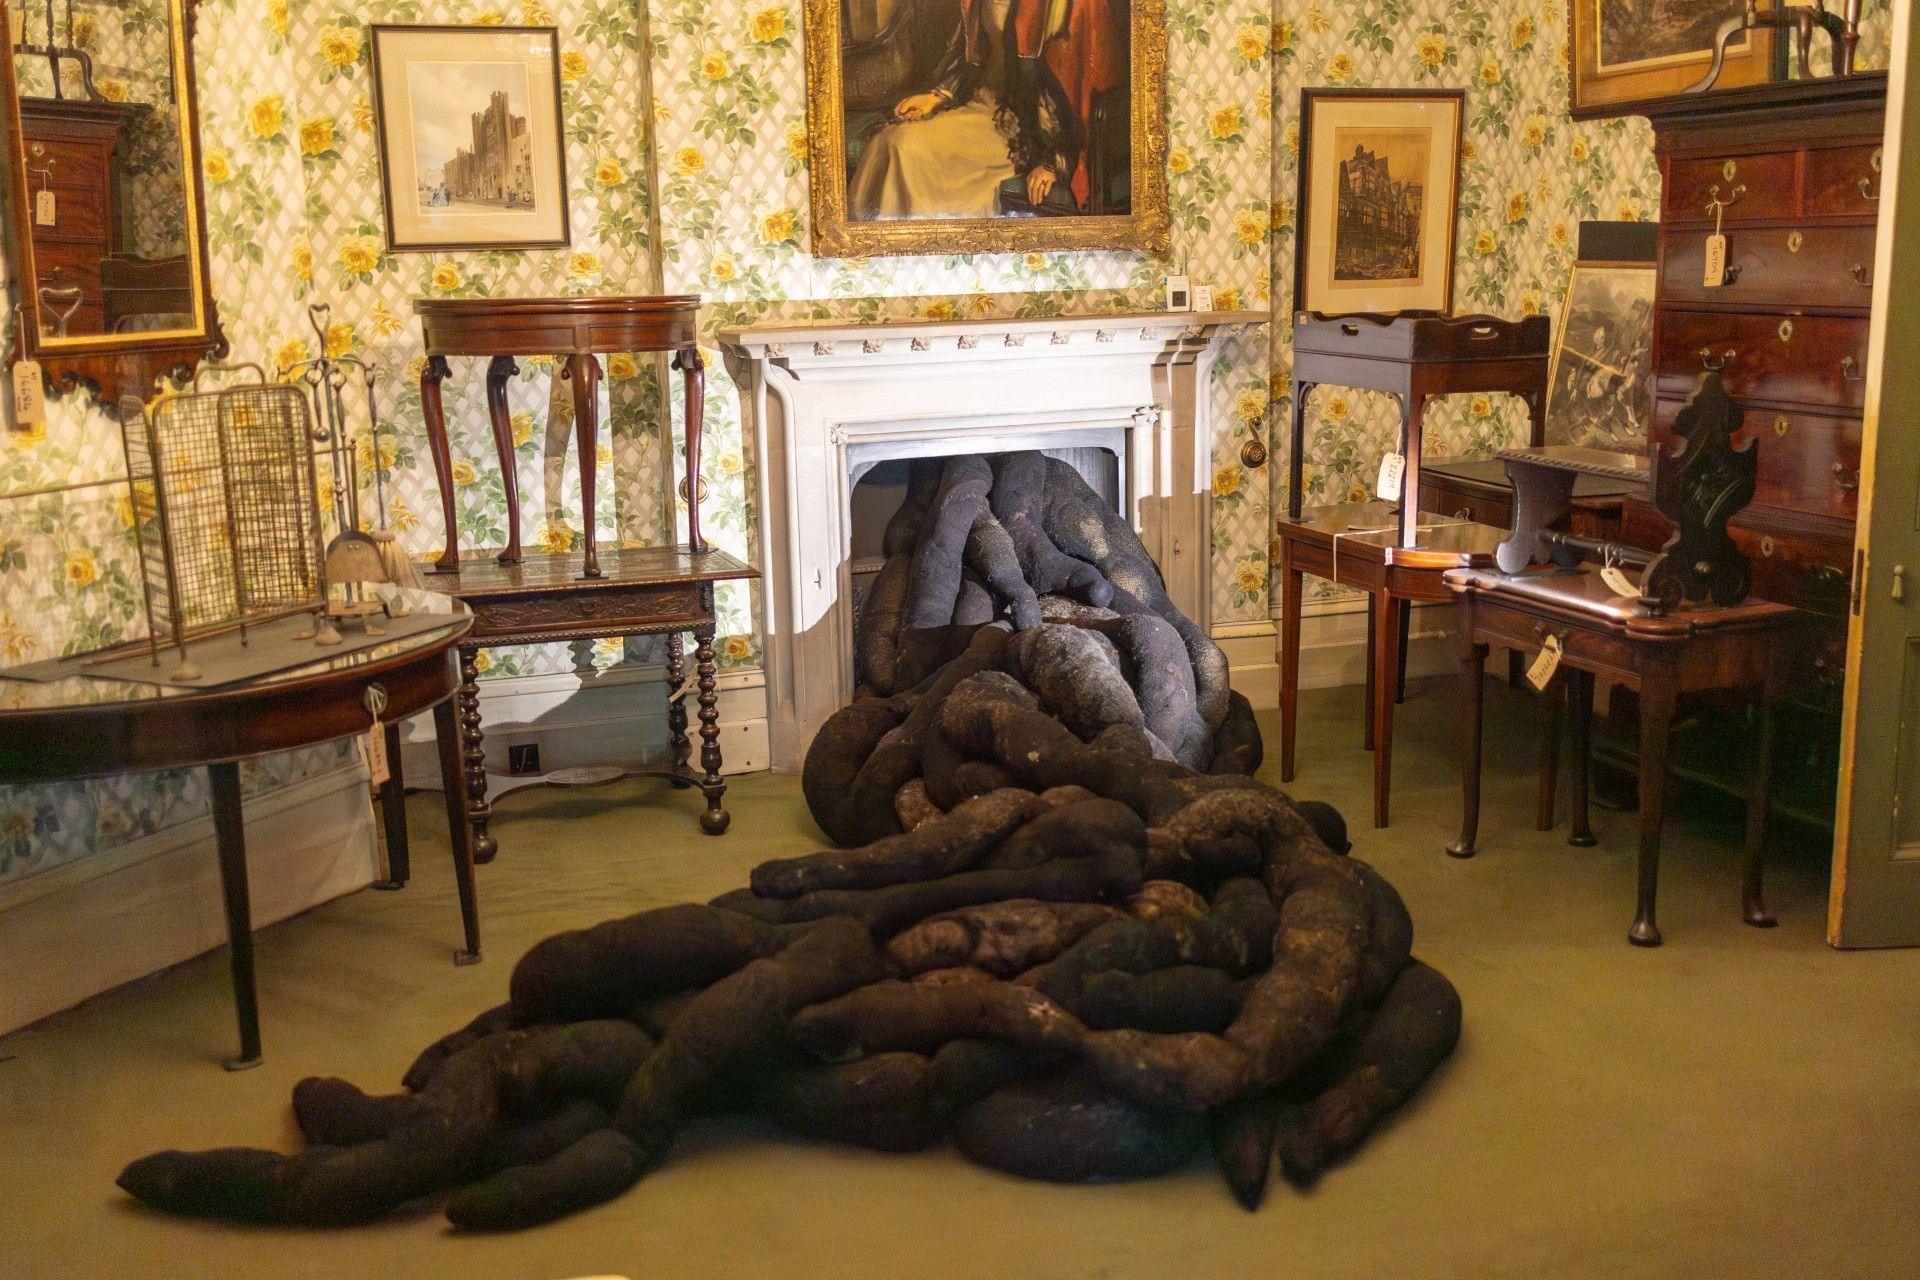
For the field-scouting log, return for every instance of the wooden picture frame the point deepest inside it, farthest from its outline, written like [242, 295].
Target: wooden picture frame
[491, 196]
[864, 188]
[1390, 130]
[1651, 66]
[1600, 379]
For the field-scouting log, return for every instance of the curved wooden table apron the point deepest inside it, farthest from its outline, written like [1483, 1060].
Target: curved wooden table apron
[574, 331]
[86, 727]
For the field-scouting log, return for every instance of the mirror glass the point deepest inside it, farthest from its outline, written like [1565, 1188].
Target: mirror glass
[105, 129]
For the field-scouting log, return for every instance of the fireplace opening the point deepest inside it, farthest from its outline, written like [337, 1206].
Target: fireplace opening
[878, 485]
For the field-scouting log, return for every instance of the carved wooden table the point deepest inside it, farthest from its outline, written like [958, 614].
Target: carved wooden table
[1414, 358]
[1357, 544]
[642, 591]
[84, 726]
[574, 331]
[1661, 658]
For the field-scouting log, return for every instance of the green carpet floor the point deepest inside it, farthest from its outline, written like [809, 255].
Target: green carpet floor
[1738, 1103]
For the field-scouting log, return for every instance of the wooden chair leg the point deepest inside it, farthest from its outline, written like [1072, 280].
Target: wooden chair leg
[1473, 674]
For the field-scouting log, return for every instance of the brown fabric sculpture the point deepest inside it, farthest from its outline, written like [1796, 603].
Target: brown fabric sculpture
[1063, 926]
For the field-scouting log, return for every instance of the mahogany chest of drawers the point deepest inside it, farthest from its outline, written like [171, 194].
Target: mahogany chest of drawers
[73, 150]
[1790, 174]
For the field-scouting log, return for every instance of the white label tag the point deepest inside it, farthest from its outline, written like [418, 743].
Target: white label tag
[1716, 273]
[378, 769]
[45, 207]
[1618, 582]
[1203, 297]
[1392, 468]
[29, 396]
[1540, 674]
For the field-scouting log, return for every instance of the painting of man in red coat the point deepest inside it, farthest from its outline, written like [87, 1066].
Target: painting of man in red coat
[1013, 120]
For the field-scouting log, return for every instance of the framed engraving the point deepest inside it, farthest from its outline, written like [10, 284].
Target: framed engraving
[1623, 53]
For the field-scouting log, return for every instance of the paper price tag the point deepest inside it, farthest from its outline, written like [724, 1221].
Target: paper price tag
[1392, 468]
[1716, 273]
[379, 768]
[29, 396]
[1618, 582]
[45, 208]
[1545, 663]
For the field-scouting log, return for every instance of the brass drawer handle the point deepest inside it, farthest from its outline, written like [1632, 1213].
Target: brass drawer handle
[1713, 365]
[1716, 206]
[1868, 192]
[1840, 480]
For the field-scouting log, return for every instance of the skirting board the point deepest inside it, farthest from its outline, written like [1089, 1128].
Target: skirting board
[1333, 648]
[617, 716]
[156, 901]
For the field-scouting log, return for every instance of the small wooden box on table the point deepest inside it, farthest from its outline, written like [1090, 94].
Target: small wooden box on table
[642, 591]
[1359, 544]
[1660, 658]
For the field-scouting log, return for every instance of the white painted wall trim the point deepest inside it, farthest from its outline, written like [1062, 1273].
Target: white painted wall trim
[153, 902]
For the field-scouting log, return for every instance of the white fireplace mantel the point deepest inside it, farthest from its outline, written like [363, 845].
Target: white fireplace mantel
[820, 396]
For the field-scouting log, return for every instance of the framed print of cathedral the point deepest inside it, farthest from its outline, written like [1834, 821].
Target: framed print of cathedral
[986, 126]
[468, 122]
[1379, 195]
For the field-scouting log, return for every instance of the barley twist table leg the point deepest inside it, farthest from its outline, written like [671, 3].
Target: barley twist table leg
[715, 819]
[677, 740]
[474, 755]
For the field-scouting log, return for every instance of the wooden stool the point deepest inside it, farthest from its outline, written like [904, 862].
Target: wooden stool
[1660, 658]
[1356, 544]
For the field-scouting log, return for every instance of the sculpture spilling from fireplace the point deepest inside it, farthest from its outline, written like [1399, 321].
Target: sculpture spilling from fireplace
[1068, 928]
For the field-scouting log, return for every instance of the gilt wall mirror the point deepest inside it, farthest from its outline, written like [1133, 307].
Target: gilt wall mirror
[107, 233]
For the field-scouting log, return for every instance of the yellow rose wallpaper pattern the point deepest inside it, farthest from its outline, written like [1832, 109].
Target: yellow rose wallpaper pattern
[687, 153]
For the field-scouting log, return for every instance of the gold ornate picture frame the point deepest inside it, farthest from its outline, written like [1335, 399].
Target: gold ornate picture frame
[932, 131]
[1623, 53]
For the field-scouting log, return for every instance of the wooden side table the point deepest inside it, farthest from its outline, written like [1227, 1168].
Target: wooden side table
[1661, 658]
[1358, 544]
[1415, 357]
[574, 330]
[642, 591]
[83, 726]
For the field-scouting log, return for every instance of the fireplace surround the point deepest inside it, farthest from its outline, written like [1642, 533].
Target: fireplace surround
[825, 401]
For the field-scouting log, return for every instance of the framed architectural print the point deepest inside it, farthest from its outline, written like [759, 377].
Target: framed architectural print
[1599, 389]
[1379, 195]
[468, 120]
[1626, 52]
[1003, 127]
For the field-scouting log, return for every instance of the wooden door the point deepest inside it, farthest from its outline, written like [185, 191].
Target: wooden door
[1876, 859]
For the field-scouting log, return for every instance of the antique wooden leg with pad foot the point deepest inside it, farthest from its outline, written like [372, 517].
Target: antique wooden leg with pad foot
[1472, 696]
[1753, 907]
[1580, 714]
[447, 733]
[1656, 725]
[229, 833]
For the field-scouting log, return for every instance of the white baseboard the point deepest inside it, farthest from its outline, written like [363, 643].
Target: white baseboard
[617, 716]
[155, 901]
[1333, 648]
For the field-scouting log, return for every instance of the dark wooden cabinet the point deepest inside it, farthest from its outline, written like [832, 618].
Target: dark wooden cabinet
[73, 150]
[1790, 174]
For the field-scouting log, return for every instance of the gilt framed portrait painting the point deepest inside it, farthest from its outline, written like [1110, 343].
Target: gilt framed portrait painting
[1626, 52]
[468, 122]
[986, 126]
[1379, 195]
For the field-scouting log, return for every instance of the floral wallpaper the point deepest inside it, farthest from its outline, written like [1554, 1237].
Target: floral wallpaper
[687, 164]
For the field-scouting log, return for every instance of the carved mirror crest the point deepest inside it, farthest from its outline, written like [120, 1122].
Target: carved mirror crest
[107, 238]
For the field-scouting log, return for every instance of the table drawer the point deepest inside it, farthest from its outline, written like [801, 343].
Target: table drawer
[1808, 462]
[1445, 496]
[1843, 181]
[1756, 187]
[602, 611]
[1811, 360]
[1775, 267]
[1501, 623]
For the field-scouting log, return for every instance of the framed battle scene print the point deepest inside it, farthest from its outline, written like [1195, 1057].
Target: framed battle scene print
[986, 126]
[1379, 195]
[468, 123]
[1599, 389]
[1626, 52]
